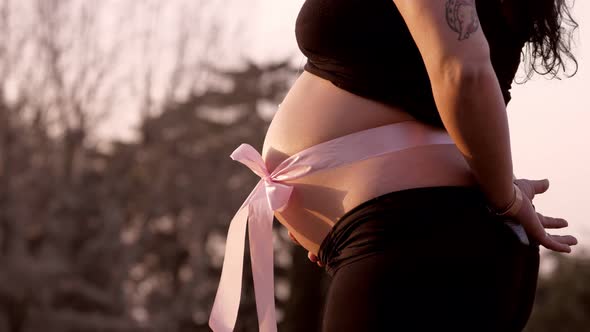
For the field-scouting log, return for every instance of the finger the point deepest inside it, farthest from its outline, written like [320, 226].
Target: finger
[551, 242]
[530, 188]
[526, 187]
[539, 186]
[312, 257]
[565, 239]
[550, 222]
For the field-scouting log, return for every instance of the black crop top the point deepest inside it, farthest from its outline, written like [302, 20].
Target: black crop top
[365, 47]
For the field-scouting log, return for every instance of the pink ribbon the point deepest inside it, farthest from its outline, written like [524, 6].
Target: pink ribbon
[272, 194]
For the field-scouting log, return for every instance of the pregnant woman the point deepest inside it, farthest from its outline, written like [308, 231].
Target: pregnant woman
[389, 160]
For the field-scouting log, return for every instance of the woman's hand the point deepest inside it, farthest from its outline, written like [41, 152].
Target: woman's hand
[535, 223]
[310, 255]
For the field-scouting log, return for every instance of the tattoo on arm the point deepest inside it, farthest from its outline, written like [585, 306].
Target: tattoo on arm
[462, 17]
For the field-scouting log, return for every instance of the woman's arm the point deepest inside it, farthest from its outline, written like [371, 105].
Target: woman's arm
[465, 88]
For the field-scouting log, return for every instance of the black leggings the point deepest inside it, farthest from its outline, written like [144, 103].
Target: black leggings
[427, 259]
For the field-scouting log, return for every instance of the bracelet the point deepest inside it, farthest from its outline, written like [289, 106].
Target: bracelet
[514, 206]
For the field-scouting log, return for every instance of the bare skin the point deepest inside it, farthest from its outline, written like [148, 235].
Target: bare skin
[315, 111]
[462, 17]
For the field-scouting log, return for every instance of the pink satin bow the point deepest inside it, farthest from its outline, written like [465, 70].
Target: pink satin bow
[272, 194]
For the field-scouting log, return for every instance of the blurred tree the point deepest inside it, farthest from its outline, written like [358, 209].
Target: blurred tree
[120, 239]
[185, 157]
[562, 302]
[130, 236]
[56, 245]
[63, 202]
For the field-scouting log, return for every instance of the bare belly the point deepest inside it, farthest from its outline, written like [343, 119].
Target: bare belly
[315, 111]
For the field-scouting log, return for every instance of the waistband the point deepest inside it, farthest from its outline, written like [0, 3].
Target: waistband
[358, 234]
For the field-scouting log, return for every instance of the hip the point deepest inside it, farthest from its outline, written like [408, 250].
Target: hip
[451, 260]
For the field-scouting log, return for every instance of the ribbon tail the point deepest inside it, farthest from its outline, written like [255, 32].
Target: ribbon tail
[261, 253]
[227, 299]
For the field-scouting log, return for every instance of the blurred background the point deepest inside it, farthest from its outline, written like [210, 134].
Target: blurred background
[117, 119]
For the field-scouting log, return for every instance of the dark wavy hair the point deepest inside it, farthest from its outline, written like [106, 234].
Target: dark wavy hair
[550, 31]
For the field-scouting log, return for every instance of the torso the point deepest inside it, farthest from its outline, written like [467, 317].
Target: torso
[315, 111]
